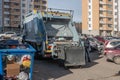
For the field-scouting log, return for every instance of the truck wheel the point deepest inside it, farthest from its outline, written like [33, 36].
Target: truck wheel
[116, 59]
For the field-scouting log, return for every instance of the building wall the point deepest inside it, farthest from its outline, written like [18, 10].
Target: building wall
[11, 15]
[115, 13]
[39, 4]
[1, 16]
[84, 16]
[97, 17]
[26, 7]
[29, 5]
[90, 17]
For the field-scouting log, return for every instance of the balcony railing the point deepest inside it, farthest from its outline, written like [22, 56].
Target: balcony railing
[102, 22]
[102, 9]
[6, 6]
[6, 24]
[6, 12]
[6, 0]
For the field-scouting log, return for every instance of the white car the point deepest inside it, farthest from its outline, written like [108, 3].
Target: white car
[8, 34]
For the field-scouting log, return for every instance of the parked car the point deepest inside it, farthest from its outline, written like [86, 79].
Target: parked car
[8, 34]
[113, 53]
[111, 43]
[100, 39]
[95, 44]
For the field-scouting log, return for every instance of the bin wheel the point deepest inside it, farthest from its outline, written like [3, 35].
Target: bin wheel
[116, 59]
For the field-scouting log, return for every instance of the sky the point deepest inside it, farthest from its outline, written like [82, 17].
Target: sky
[68, 4]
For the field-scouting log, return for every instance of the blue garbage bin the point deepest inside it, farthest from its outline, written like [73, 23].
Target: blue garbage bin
[16, 61]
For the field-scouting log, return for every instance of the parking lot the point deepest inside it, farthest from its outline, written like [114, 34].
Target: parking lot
[98, 69]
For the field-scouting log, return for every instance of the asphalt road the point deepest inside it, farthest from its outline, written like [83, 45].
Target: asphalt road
[98, 69]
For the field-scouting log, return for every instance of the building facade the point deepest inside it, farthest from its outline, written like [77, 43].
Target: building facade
[26, 7]
[39, 4]
[30, 5]
[97, 17]
[10, 14]
[1, 24]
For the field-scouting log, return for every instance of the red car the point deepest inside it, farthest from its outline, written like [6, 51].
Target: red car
[100, 39]
[113, 54]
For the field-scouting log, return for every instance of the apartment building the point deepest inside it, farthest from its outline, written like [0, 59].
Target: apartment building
[39, 4]
[1, 15]
[11, 14]
[97, 17]
[28, 5]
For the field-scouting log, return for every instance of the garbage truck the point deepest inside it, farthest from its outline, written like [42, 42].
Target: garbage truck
[53, 34]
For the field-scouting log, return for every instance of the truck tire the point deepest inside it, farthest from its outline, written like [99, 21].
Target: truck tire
[116, 59]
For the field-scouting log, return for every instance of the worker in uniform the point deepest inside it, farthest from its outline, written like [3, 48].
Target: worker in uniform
[87, 47]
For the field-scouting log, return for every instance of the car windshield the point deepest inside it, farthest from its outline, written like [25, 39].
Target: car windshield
[9, 32]
[115, 43]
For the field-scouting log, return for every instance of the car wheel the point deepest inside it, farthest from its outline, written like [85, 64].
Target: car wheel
[116, 59]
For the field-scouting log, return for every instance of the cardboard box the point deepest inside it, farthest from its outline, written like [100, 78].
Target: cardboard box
[13, 69]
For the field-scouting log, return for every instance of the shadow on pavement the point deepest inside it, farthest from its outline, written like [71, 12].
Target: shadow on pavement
[50, 70]
[45, 70]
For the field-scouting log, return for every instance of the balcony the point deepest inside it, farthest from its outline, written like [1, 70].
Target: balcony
[6, 18]
[6, 6]
[44, 2]
[15, 1]
[105, 27]
[15, 19]
[101, 2]
[6, 24]
[101, 15]
[102, 22]
[6, 0]
[102, 9]
[6, 12]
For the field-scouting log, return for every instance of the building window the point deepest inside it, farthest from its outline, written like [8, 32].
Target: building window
[116, 7]
[16, 16]
[89, 19]
[89, 1]
[101, 6]
[36, 6]
[16, 4]
[89, 7]
[23, 11]
[109, 19]
[116, 0]
[116, 19]
[110, 6]
[109, 25]
[90, 25]
[115, 13]
[116, 26]
[100, 25]
[110, 0]
[109, 12]
[89, 13]
[36, 0]
[23, 5]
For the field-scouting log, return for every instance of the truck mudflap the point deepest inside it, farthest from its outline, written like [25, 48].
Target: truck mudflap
[74, 56]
